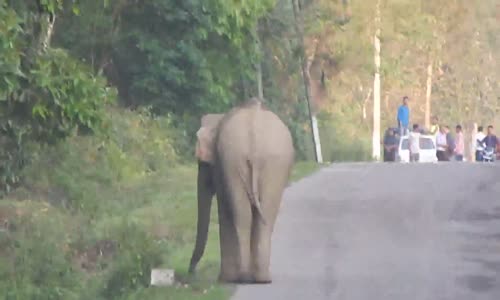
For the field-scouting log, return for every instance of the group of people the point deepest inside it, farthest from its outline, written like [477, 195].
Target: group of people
[448, 146]
[484, 142]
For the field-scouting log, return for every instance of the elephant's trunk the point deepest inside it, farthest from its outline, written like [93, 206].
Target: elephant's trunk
[206, 192]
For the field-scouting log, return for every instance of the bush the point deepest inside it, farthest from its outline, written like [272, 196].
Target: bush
[38, 262]
[104, 210]
[44, 96]
[341, 142]
[85, 173]
[137, 254]
[51, 255]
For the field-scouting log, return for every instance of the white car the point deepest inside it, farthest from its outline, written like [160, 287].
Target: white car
[427, 149]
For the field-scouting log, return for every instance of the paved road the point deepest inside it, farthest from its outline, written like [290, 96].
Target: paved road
[384, 232]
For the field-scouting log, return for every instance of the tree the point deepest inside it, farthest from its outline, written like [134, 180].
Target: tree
[179, 57]
[44, 93]
[306, 66]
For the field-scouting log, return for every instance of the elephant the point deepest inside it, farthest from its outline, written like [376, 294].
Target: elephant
[245, 158]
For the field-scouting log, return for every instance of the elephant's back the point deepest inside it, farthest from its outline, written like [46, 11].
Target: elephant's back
[254, 131]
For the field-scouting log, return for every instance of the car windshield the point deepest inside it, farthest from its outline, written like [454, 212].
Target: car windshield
[425, 144]
[405, 144]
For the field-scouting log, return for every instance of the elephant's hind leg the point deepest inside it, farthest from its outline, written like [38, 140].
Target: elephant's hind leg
[235, 232]
[274, 178]
[229, 271]
[243, 223]
[261, 251]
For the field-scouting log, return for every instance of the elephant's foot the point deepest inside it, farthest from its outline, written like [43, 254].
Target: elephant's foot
[263, 278]
[246, 278]
[242, 279]
[228, 277]
[263, 281]
[237, 280]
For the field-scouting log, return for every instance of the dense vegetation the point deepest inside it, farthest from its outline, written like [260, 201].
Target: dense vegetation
[99, 102]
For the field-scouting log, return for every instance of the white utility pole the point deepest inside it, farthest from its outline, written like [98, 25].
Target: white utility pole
[317, 143]
[376, 88]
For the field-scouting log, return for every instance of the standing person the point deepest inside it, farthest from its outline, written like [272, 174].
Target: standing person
[390, 146]
[491, 141]
[434, 126]
[450, 143]
[479, 145]
[459, 144]
[498, 149]
[403, 117]
[414, 142]
[441, 144]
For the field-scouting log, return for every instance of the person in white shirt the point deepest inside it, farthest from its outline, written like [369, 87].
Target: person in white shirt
[479, 145]
[414, 143]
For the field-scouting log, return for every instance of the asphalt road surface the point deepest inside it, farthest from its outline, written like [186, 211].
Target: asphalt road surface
[384, 232]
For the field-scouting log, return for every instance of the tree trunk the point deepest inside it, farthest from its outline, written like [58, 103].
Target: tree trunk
[258, 67]
[260, 88]
[299, 27]
[47, 29]
[428, 96]
[473, 142]
[365, 103]
[243, 87]
[43, 28]
[376, 88]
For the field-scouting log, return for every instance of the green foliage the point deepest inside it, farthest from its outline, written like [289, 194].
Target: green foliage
[42, 98]
[37, 265]
[340, 143]
[113, 206]
[193, 66]
[303, 169]
[138, 253]
[63, 95]
[10, 59]
[135, 147]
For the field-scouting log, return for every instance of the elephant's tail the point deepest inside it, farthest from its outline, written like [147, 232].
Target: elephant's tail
[253, 188]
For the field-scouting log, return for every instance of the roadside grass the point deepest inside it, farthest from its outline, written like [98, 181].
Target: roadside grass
[96, 214]
[303, 169]
[55, 252]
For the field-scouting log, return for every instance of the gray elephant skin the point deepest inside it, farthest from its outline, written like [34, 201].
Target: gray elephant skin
[245, 157]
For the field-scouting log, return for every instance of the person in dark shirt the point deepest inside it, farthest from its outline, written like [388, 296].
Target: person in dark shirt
[491, 140]
[390, 146]
[450, 143]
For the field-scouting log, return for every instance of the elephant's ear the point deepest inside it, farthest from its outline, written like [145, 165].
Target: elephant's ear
[206, 136]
